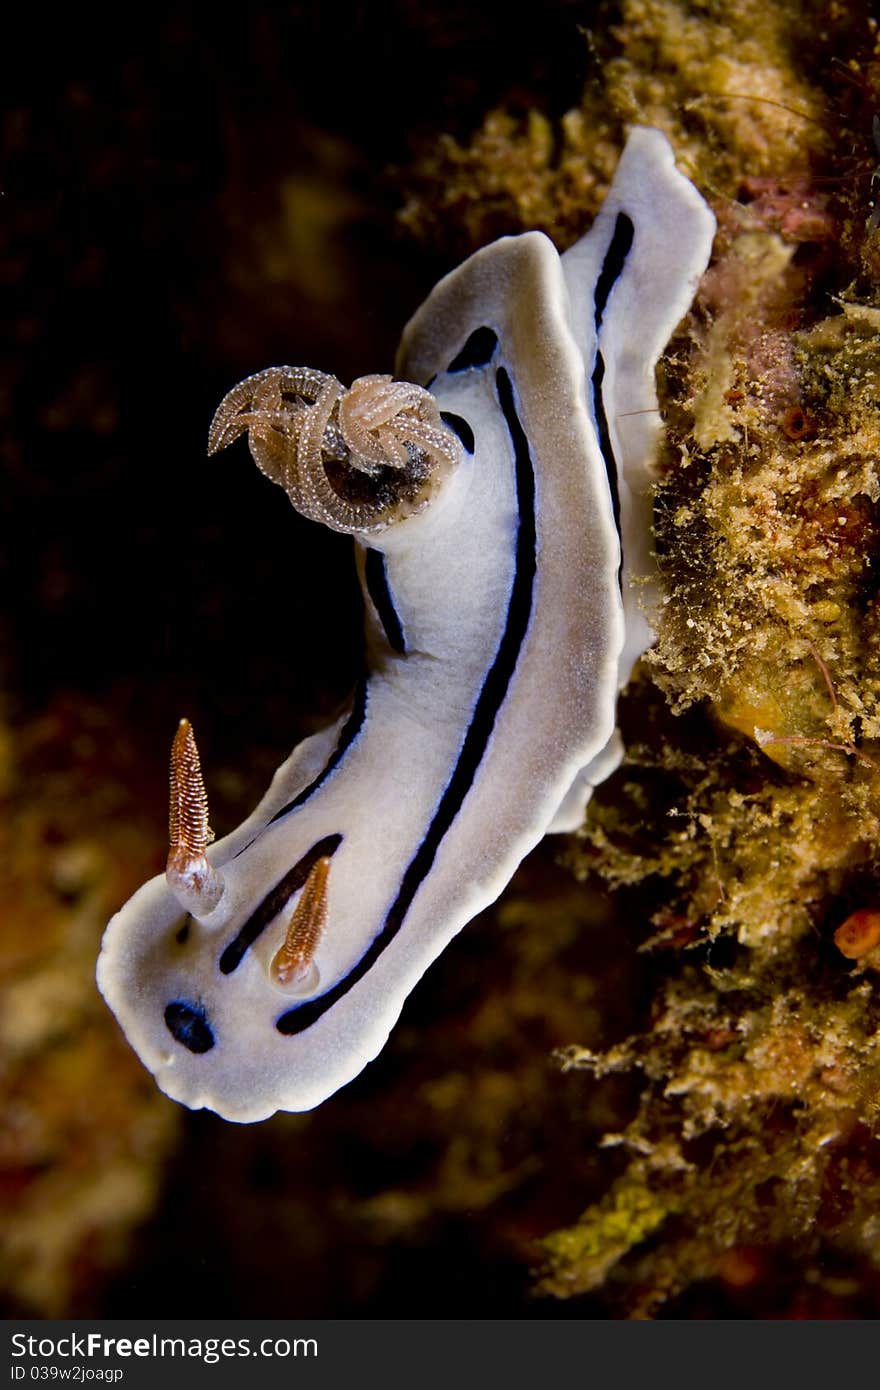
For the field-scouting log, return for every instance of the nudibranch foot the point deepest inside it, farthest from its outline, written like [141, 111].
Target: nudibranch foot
[570, 812]
[356, 460]
[196, 884]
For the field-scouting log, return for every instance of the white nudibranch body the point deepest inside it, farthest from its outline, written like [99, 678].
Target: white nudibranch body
[502, 528]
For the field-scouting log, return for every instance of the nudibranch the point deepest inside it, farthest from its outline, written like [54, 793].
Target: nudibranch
[499, 493]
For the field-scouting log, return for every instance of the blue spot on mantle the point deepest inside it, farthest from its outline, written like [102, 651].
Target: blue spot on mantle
[188, 1024]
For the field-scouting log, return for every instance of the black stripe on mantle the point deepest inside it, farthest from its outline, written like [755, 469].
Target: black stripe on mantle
[612, 268]
[350, 730]
[376, 579]
[489, 702]
[274, 902]
[347, 735]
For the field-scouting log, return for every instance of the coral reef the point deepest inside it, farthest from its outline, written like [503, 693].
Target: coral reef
[719, 79]
[85, 1134]
[751, 859]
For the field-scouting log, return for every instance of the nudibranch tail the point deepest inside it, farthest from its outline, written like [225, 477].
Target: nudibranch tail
[197, 886]
[293, 966]
[356, 460]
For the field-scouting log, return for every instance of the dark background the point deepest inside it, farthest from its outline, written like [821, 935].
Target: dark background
[190, 195]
